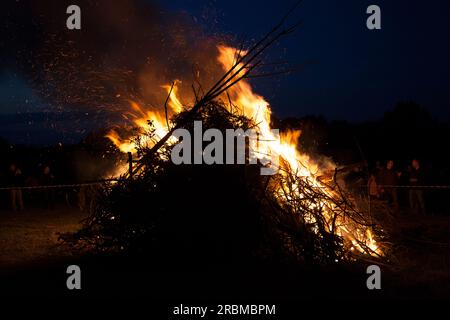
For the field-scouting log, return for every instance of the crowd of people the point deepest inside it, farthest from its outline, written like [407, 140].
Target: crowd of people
[15, 180]
[385, 181]
[40, 189]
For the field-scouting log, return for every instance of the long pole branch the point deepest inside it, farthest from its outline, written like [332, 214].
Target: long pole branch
[229, 79]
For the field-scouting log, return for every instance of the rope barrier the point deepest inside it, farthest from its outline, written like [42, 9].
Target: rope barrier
[413, 187]
[60, 186]
[93, 183]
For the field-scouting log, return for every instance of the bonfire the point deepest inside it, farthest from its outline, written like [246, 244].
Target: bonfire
[307, 211]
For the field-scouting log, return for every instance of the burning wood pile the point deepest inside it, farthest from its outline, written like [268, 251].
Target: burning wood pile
[300, 212]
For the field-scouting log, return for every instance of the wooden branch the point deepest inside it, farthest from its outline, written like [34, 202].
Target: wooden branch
[165, 105]
[228, 79]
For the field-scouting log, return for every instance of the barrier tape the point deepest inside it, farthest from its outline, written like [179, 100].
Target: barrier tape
[59, 186]
[93, 183]
[413, 187]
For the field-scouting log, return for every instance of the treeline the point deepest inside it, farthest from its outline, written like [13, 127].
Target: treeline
[91, 159]
[405, 133]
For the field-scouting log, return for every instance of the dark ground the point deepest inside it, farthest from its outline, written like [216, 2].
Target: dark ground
[34, 262]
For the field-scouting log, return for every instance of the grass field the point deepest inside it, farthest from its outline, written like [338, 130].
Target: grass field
[31, 237]
[33, 260]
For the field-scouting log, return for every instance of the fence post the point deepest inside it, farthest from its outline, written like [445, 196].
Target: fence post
[130, 165]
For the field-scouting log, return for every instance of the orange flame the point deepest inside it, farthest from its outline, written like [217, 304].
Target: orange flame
[174, 101]
[257, 108]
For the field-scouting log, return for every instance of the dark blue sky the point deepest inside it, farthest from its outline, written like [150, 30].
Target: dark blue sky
[357, 74]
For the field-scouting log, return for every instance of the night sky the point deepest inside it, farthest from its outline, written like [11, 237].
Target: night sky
[348, 72]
